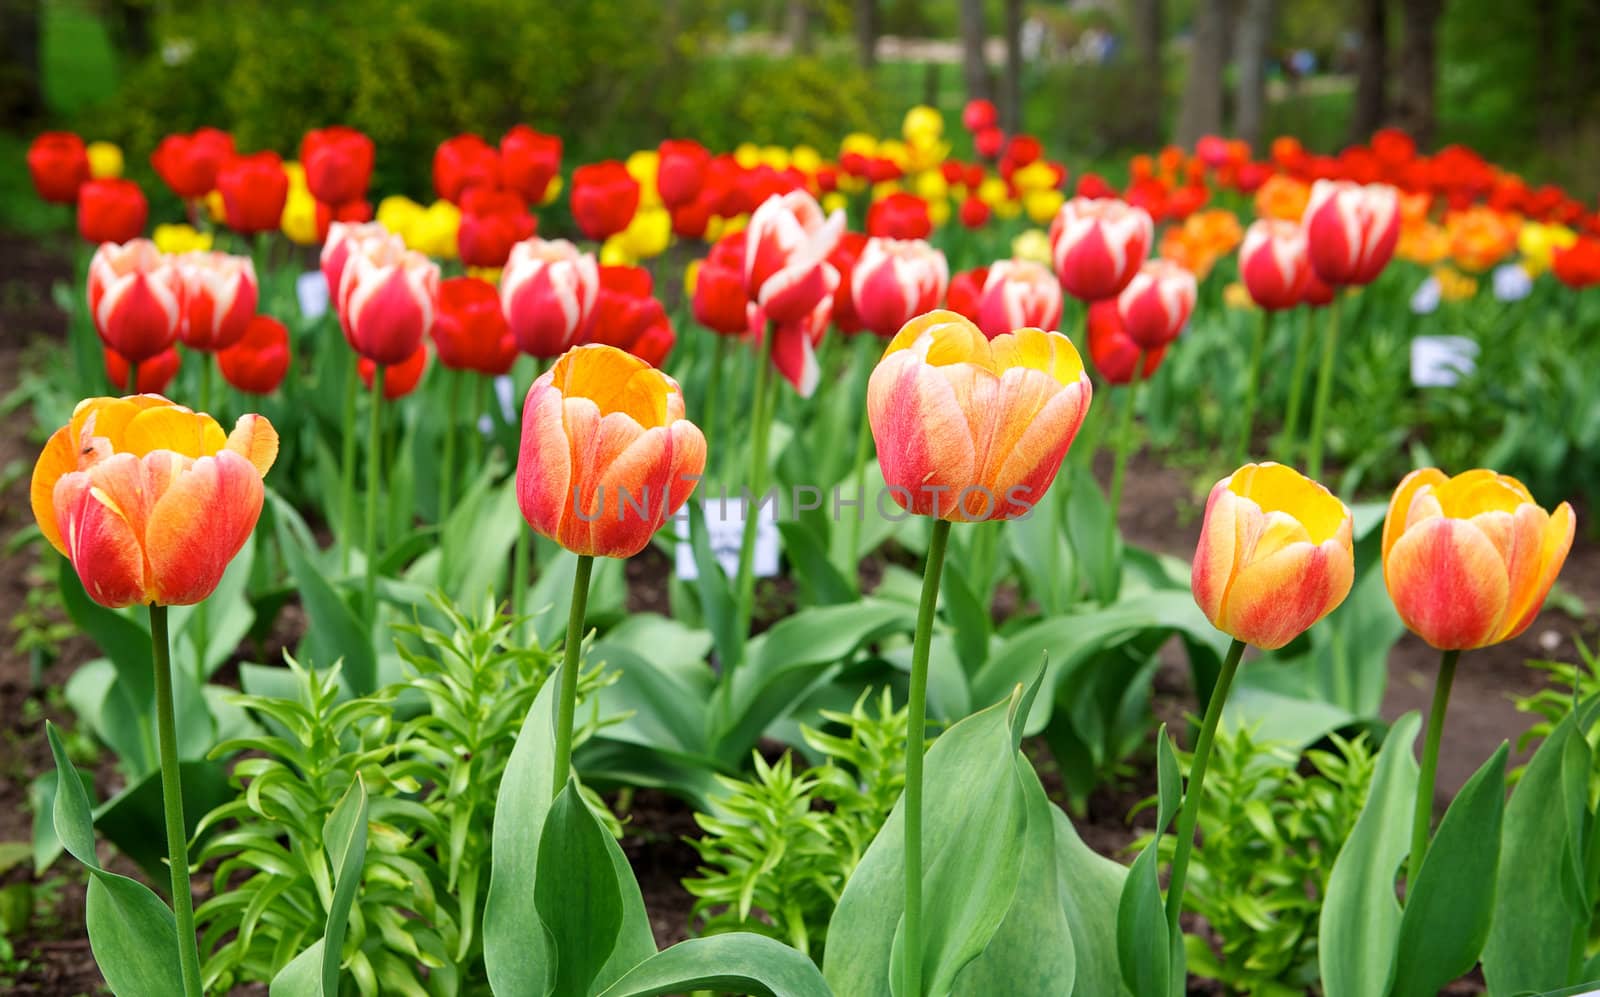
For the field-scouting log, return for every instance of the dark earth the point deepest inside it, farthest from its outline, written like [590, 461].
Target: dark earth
[1160, 511]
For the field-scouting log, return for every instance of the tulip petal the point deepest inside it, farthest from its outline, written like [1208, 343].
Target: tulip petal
[1276, 598]
[171, 427]
[1448, 583]
[199, 523]
[544, 461]
[1399, 514]
[1555, 541]
[1217, 552]
[100, 542]
[59, 458]
[924, 439]
[254, 439]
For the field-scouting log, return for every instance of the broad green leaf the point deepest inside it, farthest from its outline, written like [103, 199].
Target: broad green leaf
[333, 631]
[969, 619]
[1447, 912]
[738, 962]
[1360, 920]
[74, 818]
[1090, 887]
[1141, 914]
[717, 601]
[808, 556]
[576, 892]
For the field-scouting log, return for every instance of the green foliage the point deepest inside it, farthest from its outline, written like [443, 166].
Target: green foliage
[1271, 824]
[790, 101]
[779, 846]
[1570, 685]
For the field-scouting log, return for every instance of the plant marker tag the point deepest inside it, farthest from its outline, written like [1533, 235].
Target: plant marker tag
[312, 290]
[725, 529]
[1442, 361]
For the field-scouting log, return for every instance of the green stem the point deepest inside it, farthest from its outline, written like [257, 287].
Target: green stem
[1124, 440]
[762, 429]
[1192, 797]
[1319, 404]
[712, 417]
[569, 672]
[1422, 819]
[520, 557]
[1297, 380]
[133, 378]
[863, 449]
[447, 464]
[480, 384]
[1252, 386]
[205, 382]
[916, 723]
[347, 467]
[172, 803]
[374, 482]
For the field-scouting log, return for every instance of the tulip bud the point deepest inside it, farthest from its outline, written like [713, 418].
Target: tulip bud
[718, 298]
[1273, 263]
[548, 291]
[135, 298]
[1156, 304]
[604, 198]
[1469, 560]
[681, 171]
[846, 253]
[257, 363]
[338, 164]
[529, 161]
[492, 221]
[787, 244]
[979, 114]
[342, 237]
[628, 317]
[896, 280]
[1019, 294]
[188, 164]
[1351, 230]
[1114, 353]
[966, 292]
[470, 331]
[155, 374]
[400, 379]
[1098, 246]
[973, 429]
[387, 300]
[111, 211]
[899, 216]
[1275, 555]
[58, 164]
[462, 162]
[219, 299]
[607, 454]
[254, 189]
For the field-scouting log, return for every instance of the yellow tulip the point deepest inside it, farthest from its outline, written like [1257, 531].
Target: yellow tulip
[1538, 242]
[105, 160]
[642, 166]
[174, 239]
[1033, 245]
[299, 220]
[1042, 205]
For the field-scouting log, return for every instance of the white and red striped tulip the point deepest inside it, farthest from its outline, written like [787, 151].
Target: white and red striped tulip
[136, 298]
[548, 291]
[787, 244]
[388, 297]
[1098, 244]
[336, 247]
[895, 280]
[1273, 263]
[1156, 304]
[219, 299]
[1351, 230]
[1019, 294]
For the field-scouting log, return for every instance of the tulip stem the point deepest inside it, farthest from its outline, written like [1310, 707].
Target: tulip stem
[133, 378]
[1124, 441]
[1252, 386]
[204, 393]
[863, 446]
[1190, 816]
[347, 467]
[172, 803]
[569, 672]
[447, 462]
[520, 556]
[1319, 404]
[916, 722]
[713, 411]
[1422, 819]
[761, 430]
[374, 480]
[480, 384]
[1297, 380]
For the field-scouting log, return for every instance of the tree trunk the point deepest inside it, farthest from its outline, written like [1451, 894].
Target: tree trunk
[1250, 52]
[973, 64]
[1147, 43]
[797, 26]
[1372, 71]
[1414, 108]
[867, 33]
[1011, 96]
[21, 100]
[1201, 110]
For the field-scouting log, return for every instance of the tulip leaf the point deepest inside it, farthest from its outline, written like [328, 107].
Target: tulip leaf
[1448, 909]
[576, 892]
[1539, 896]
[1360, 921]
[1044, 554]
[333, 631]
[716, 596]
[1090, 887]
[1141, 914]
[737, 962]
[124, 642]
[1091, 529]
[968, 615]
[824, 584]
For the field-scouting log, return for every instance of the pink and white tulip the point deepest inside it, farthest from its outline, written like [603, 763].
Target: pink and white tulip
[136, 298]
[1019, 294]
[219, 299]
[895, 280]
[1157, 303]
[1351, 230]
[388, 297]
[548, 291]
[1098, 244]
[336, 247]
[1273, 263]
[787, 244]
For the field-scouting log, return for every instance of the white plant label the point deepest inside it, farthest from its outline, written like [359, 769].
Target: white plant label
[1442, 361]
[312, 290]
[725, 532]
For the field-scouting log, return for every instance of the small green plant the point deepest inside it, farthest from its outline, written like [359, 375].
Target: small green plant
[1570, 684]
[779, 847]
[1272, 823]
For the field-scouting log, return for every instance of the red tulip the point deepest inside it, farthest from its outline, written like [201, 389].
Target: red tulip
[399, 379]
[341, 238]
[843, 260]
[58, 164]
[257, 363]
[1019, 294]
[966, 292]
[1022, 150]
[1098, 246]
[1094, 187]
[1273, 263]
[896, 280]
[1578, 265]
[787, 244]
[254, 189]
[628, 317]
[604, 198]
[1316, 293]
[980, 113]
[529, 160]
[112, 210]
[899, 216]
[461, 162]
[548, 292]
[155, 374]
[136, 299]
[794, 343]
[1113, 351]
[189, 164]
[681, 171]
[1351, 230]
[719, 301]
[988, 142]
[219, 299]
[348, 213]
[1156, 304]
[492, 221]
[974, 213]
[387, 300]
[470, 331]
[338, 164]
[1212, 150]
[690, 220]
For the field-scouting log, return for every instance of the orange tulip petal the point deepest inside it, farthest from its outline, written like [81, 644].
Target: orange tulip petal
[925, 442]
[1217, 552]
[59, 458]
[172, 428]
[544, 461]
[1276, 598]
[255, 439]
[1555, 542]
[1399, 514]
[1448, 583]
[1033, 430]
[102, 546]
[199, 524]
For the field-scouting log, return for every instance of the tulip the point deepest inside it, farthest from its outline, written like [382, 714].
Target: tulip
[470, 332]
[1273, 263]
[1098, 246]
[154, 375]
[257, 363]
[58, 165]
[529, 162]
[461, 162]
[254, 189]
[135, 298]
[105, 160]
[628, 317]
[979, 114]
[647, 236]
[1351, 230]
[896, 280]
[681, 171]
[1480, 237]
[111, 210]
[492, 221]
[219, 299]
[1577, 265]
[787, 244]
[342, 236]
[966, 292]
[548, 292]
[604, 198]
[387, 299]
[988, 142]
[843, 260]
[1114, 353]
[400, 379]
[718, 299]
[188, 164]
[338, 164]
[1156, 304]
[1019, 294]
[1538, 244]
[899, 216]
[973, 214]
[176, 239]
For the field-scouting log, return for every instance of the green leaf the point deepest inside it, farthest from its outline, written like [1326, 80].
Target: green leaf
[1448, 909]
[1090, 886]
[1360, 921]
[332, 632]
[738, 962]
[808, 556]
[717, 600]
[576, 892]
[969, 618]
[1141, 913]
[74, 818]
